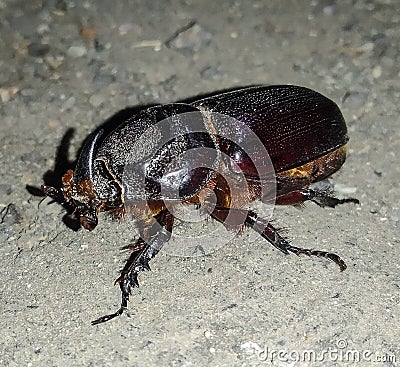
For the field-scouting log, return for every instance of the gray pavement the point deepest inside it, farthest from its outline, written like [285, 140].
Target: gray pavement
[70, 64]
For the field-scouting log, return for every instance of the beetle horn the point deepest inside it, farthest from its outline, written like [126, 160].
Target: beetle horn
[84, 166]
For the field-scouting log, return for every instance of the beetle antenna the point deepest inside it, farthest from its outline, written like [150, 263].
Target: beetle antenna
[54, 193]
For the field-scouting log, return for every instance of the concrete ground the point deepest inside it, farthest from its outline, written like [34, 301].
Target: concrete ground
[70, 64]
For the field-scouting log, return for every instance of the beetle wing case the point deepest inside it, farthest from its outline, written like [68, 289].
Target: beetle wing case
[295, 124]
[156, 154]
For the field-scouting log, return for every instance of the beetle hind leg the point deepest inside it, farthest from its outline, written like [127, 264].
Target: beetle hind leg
[142, 252]
[322, 198]
[325, 198]
[267, 231]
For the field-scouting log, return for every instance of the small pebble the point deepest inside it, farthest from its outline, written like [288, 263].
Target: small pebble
[6, 94]
[28, 92]
[69, 103]
[104, 79]
[76, 51]
[96, 100]
[328, 10]
[88, 33]
[54, 62]
[376, 72]
[43, 28]
[54, 124]
[74, 243]
[125, 28]
[37, 49]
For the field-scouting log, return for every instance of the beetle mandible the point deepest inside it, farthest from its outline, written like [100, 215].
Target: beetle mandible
[302, 131]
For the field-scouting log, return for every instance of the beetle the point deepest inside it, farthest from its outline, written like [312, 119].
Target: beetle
[301, 136]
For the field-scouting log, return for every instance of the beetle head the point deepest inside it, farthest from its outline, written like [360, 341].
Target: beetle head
[79, 197]
[78, 190]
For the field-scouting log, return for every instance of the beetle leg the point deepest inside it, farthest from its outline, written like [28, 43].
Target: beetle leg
[267, 231]
[321, 198]
[147, 246]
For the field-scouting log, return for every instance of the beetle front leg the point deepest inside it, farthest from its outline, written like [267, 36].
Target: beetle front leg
[147, 246]
[267, 231]
[125, 281]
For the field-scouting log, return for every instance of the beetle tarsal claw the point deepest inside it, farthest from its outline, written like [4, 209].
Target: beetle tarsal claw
[125, 286]
[327, 255]
[106, 318]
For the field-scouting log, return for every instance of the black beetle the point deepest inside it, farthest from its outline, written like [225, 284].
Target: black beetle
[299, 138]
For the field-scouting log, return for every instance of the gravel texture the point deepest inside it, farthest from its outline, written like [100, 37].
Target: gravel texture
[70, 64]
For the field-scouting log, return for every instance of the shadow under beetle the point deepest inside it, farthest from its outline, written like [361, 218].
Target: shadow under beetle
[303, 132]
